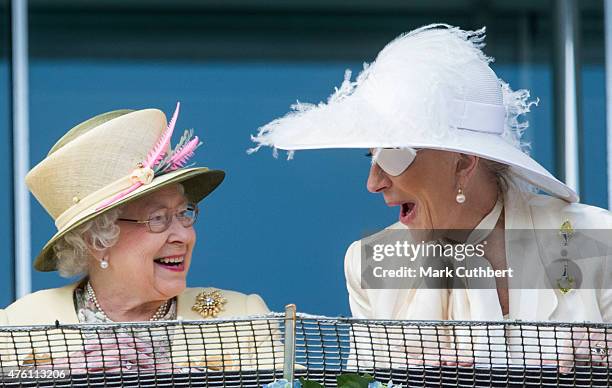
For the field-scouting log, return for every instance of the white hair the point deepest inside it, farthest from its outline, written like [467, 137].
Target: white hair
[74, 249]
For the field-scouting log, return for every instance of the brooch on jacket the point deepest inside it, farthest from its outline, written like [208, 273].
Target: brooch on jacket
[209, 303]
[566, 282]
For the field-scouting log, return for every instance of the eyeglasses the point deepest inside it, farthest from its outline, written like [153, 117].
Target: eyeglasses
[393, 161]
[161, 220]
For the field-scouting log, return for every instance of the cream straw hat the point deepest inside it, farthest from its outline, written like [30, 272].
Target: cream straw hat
[430, 88]
[109, 160]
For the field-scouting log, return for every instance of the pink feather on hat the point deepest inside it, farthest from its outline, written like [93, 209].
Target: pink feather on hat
[157, 162]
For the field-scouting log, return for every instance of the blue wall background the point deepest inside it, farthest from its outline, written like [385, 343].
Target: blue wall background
[275, 227]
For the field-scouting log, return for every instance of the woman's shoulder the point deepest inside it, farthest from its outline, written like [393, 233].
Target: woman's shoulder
[192, 303]
[545, 207]
[42, 307]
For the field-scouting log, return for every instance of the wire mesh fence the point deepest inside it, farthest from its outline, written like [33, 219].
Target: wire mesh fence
[251, 352]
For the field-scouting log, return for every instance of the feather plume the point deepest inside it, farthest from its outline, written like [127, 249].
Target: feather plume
[158, 152]
[177, 158]
[159, 160]
[164, 164]
[183, 154]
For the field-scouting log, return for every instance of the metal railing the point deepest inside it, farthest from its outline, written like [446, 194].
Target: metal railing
[256, 350]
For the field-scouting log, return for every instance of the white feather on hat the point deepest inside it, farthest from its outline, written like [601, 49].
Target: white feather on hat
[429, 88]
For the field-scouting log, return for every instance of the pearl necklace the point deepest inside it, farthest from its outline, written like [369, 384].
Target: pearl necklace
[159, 314]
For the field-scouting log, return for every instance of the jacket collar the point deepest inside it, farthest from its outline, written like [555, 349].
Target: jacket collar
[62, 302]
[537, 303]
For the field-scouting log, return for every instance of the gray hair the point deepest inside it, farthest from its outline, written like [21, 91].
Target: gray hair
[500, 171]
[74, 249]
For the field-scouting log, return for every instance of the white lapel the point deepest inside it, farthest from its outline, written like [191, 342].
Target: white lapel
[533, 299]
[482, 304]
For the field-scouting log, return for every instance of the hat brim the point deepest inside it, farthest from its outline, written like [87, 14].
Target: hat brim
[335, 125]
[198, 183]
[521, 165]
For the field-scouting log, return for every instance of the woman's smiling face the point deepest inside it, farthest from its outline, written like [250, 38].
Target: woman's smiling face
[154, 265]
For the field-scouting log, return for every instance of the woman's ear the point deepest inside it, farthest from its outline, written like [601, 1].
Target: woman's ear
[466, 167]
[94, 253]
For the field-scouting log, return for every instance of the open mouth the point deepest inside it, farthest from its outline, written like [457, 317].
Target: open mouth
[175, 263]
[407, 212]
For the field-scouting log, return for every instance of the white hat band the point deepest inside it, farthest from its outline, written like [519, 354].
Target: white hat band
[479, 117]
[75, 212]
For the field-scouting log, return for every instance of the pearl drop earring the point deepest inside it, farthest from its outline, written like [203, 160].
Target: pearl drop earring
[460, 198]
[104, 263]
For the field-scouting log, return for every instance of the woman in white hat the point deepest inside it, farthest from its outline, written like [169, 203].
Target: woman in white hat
[444, 134]
[124, 205]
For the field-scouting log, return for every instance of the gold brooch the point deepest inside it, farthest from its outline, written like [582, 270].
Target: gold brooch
[566, 232]
[566, 282]
[209, 304]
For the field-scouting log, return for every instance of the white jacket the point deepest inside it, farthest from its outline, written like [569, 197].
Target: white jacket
[523, 211]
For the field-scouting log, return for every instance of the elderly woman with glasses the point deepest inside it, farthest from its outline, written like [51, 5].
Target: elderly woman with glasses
[125, 206]
[444, 135]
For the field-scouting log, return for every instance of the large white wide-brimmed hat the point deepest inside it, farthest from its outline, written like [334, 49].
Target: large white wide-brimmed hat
[430, 88]
[108, 161]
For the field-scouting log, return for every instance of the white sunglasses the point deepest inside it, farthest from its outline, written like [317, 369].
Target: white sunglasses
[394, 161]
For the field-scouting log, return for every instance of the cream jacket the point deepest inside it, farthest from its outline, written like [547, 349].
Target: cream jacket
[523, 211]
[223, 346]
